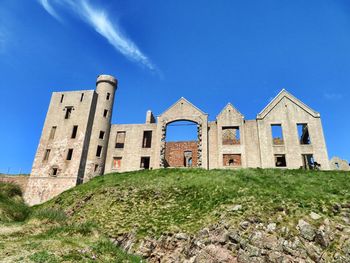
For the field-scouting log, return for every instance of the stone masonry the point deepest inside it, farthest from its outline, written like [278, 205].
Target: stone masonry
[78, 141]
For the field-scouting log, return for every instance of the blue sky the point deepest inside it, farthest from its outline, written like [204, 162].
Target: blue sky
[211, 52]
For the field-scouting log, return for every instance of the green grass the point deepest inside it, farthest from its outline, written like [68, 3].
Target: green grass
[159, 201]
[76, 225]
[12, 207]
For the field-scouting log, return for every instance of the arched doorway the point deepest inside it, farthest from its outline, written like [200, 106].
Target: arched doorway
[181, 144]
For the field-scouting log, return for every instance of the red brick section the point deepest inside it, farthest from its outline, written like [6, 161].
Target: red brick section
[232, 160]
[21, 181]
[174, 153]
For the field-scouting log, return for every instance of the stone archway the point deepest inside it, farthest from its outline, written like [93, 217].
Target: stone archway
[183, 110]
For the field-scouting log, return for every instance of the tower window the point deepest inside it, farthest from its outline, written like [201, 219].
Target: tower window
[62, 97]
[119, 142]
[69, 154]
[303, 133]
[147, 139]
[105, 113]
[277, 134]
[52, 132]
[280, 160]
[99, 151]
[81, 97]
[102, 135]
[74, 132]
[47, 154]
[54, 171]
[108, 96]
[68, 112]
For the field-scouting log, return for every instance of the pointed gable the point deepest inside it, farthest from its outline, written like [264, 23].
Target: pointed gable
[286, 95]
[229, 116]
[182, 108]
[229, 109]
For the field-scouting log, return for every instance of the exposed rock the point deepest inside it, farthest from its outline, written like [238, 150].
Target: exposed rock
[315, 216]
[271, 227]
[235, 208]
[181, 236]
[244, 224]
[214, 254]
[306, 230]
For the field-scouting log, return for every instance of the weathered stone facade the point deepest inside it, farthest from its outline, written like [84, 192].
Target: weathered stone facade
[78, 141]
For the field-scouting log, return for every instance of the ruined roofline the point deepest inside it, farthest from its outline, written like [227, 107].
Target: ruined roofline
[229, 105]
[285, 94]
[182, 99]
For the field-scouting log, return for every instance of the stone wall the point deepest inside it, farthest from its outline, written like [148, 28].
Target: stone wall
[175, 152]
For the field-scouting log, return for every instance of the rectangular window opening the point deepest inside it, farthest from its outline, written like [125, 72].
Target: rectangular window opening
[99, 151]
[120, 140]
[105, 113]
[117, 163]
[102, 135]
[145, 162]
[277, 134]
[52, 132]
[68, 112]
[108, 96]
[147, 139]
[303, 133]
[81, 97]
[308, 161]
[74, 132]
[62, 96]
[232, 160]
[280, 160]
[69, 154]
[47, 154]
[54, 171]
[231, 135]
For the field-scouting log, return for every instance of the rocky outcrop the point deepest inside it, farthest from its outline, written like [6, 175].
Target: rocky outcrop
[248, 242]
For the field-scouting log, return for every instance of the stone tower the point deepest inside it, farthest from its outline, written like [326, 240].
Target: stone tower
[73, 143]
[96, 157]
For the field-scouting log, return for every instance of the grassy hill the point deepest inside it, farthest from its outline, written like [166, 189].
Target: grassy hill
[132, 209]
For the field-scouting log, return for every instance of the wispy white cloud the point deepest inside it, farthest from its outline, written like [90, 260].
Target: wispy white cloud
[99, 20]
[332, 96]
[48, 7]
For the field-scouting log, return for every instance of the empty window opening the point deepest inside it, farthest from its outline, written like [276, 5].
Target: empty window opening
[99, 151]
[277, 134]
[308, 161]
[188, 158]
[52, 132]
[102, 135]
[62, 96]
[81, 97]
[147, 139]
[54, 171]
[303, 133]
[47, 154]
[68, 112]
[117, 163]
[230, 135]
[120, 140]
[69, 154]
[105, 113]
[145, 162]
[234, 160]
[337, 165]
[280, 160]
[74, 132]
[95, 167]
[108, 96]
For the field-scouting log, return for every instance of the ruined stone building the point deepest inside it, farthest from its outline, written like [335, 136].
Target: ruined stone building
[78, 141]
